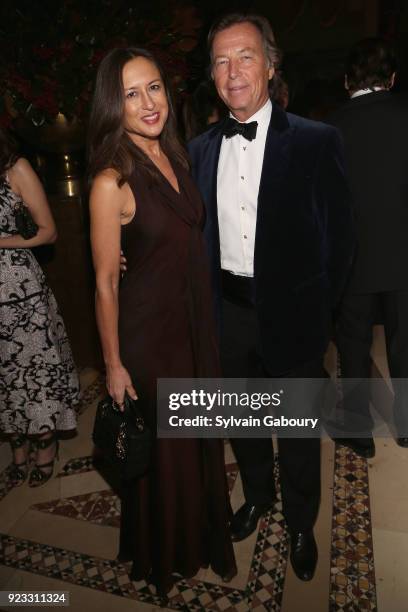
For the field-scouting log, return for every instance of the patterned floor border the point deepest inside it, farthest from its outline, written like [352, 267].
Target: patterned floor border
[98, 507]
[263, 590]
[352, 574]
[352, 561]
[352, 580]
[265, 581]
[78, 465]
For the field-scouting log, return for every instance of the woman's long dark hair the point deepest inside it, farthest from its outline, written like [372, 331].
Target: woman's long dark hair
[109, 146]
[8, 155]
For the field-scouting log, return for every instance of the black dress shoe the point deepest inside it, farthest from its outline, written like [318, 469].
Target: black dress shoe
[245, 520]
[303, 554]
[364, 447]
[402, 442]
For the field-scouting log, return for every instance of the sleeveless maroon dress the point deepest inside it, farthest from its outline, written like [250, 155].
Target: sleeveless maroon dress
[174, 519]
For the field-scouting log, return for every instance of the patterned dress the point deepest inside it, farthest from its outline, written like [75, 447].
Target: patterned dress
[39, 385]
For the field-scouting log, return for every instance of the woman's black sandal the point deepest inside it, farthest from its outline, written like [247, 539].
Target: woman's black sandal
[18, 471]
[38, 476]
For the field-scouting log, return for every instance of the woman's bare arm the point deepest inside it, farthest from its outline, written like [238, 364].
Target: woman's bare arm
[107, 204]
[25, 183]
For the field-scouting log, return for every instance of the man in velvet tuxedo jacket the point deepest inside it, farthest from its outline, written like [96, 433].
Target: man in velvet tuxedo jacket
[280, 242]
[374, 125]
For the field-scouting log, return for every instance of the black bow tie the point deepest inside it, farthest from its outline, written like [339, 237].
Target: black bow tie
[247, 130]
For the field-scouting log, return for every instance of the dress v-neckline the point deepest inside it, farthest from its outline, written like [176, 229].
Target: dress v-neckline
[166, 180]
[171, 186]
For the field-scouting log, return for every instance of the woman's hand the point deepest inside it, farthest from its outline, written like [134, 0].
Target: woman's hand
[118, 383]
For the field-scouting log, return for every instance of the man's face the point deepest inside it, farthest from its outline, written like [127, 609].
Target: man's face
[240, 69]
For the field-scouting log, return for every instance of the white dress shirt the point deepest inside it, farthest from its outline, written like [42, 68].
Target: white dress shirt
[238, 178]
[363, 92]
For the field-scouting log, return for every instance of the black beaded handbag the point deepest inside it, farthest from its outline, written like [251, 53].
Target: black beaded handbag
[123, 437]
[25, 224]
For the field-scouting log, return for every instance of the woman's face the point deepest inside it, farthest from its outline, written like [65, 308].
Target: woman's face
[146, 107]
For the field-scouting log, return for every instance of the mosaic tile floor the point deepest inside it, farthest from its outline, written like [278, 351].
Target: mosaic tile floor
[263, 590]
[352, 576]
[100, 507]
[264, 583]
[79, 465]
[352, 564]
[352, 557]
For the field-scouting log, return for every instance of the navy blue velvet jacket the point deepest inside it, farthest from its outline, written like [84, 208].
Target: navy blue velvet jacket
[304, 234]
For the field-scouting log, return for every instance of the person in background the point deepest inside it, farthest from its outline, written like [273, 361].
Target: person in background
[201, 109]
[374, 126]
[279, 91]
[39, 385]
[157, 322]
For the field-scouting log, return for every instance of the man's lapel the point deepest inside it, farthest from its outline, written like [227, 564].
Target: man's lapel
[277, 155]
[211, 157]
[215, 140]
[274, 177]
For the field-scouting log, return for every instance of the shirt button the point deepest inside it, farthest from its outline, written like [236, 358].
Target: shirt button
[242, 207]
[245, 236]
[244, 148]
[242, 178]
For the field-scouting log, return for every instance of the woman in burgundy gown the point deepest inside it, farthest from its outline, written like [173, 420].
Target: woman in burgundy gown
[159, 322]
